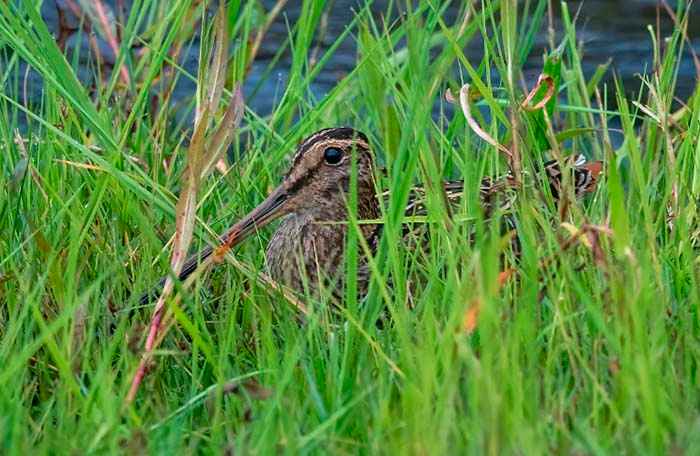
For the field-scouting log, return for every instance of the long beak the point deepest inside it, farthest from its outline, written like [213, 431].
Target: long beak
[267, 211]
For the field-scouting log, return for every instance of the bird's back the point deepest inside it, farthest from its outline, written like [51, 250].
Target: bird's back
[306, 252]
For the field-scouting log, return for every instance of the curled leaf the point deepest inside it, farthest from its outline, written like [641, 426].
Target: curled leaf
[544, 79]
[464, 101]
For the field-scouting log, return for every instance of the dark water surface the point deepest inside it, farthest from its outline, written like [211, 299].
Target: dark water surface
[609, 29]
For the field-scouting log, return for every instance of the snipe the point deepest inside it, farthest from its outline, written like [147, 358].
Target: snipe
[306, 252]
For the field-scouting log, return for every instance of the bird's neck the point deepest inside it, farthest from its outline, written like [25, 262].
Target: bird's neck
[336, 209]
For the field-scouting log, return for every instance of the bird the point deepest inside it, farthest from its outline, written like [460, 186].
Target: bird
[306, 251]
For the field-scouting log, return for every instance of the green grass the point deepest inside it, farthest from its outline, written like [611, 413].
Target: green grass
[595, 353]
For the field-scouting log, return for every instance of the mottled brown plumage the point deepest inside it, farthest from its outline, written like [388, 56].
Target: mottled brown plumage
[306, 251]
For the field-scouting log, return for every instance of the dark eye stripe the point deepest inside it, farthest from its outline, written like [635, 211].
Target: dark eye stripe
[301, 182]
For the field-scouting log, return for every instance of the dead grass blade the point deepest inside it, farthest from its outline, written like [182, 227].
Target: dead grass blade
[202, 156]
[218, 67]
[223, 136]
[185, 214]
[465, 103]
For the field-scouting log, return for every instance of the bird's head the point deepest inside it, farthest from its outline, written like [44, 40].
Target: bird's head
[318, 180]
[322, 167]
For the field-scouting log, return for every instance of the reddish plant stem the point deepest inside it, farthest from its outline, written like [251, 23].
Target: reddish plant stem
[111, 39]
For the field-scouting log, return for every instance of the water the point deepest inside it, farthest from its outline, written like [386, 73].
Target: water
[609, 29]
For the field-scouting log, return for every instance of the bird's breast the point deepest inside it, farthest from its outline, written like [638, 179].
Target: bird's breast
[305, 253]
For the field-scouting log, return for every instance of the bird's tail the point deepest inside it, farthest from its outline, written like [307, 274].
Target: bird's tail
[584, 176]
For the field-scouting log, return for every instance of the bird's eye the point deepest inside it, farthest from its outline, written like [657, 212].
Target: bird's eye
[332, 155]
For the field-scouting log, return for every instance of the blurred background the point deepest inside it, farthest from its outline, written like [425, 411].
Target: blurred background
[615, 31]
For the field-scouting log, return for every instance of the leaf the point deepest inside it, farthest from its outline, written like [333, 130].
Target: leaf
[464, 101]
[597, 77]
[618, 213]
[543, 81]
[543, 99]
[18, 173]
[225, 132]
[471, 316]
[218, 67]
[572, 133]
